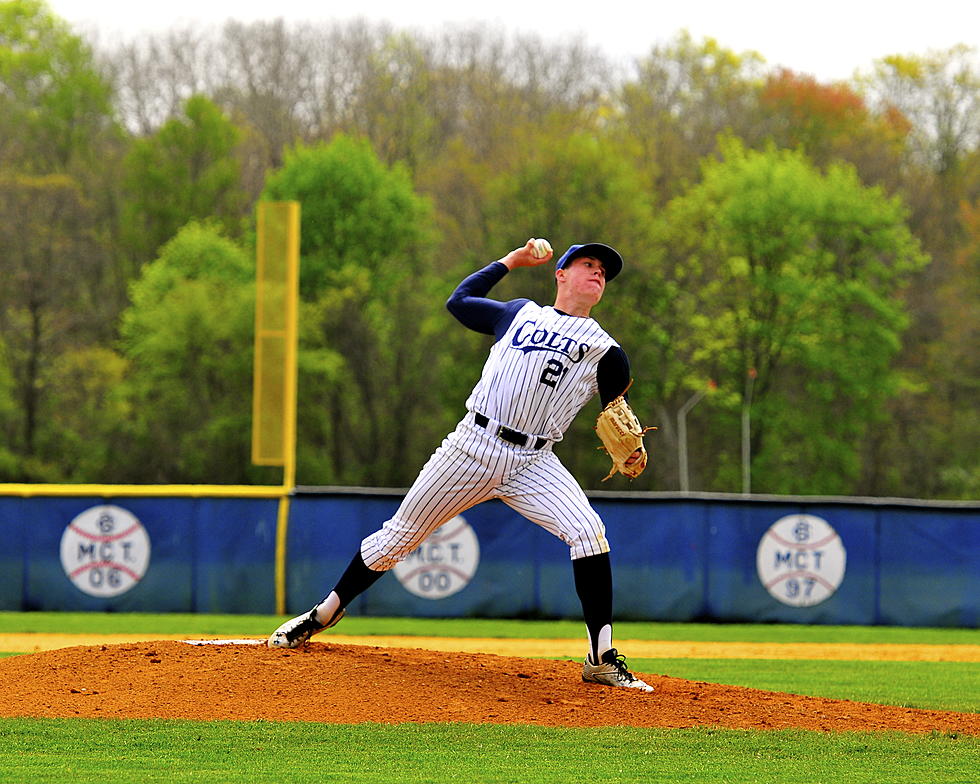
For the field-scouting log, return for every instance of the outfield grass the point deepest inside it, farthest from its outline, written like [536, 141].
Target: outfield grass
[934, 685]
[111, 752]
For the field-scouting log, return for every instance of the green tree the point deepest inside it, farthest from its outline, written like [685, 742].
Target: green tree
[57, 140]
[47, 253]
[54, 102]
[948, 423]
[85, 411]
[185, 171]
[370, 365]
[188, 340]
[793, 277]
[8, 418]
[939, 95]
[57, 117]
[683, 95]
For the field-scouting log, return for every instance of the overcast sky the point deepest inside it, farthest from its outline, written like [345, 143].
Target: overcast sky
[828, 39]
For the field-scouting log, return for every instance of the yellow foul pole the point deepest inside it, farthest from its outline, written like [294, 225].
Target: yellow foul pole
[274, 391]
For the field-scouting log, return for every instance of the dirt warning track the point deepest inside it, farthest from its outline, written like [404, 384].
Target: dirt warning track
[342, 683]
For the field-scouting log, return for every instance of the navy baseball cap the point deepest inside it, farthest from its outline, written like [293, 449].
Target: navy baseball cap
[610, 258]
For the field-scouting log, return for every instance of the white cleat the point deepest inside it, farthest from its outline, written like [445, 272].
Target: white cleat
[296, 631]
[611, 671]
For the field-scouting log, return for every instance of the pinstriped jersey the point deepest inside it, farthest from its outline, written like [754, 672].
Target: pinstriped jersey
[541, 371]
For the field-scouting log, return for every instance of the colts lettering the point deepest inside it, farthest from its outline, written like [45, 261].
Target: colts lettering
[529, 337]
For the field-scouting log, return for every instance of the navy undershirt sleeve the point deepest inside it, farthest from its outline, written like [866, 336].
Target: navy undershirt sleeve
[613, 375]
[469, 303]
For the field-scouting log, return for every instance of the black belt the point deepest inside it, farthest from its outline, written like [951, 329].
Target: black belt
[511, 436]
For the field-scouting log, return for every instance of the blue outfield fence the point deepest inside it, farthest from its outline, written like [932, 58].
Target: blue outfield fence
[204, 554]
[675, 558]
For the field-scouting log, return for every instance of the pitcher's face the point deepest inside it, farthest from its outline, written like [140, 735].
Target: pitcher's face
[583, 279]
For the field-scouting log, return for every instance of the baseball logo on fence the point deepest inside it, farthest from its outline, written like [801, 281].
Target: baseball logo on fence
[443, 564]
[801, 560]
[105, 551]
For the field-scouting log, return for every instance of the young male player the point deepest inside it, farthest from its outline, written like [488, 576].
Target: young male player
[546, 364]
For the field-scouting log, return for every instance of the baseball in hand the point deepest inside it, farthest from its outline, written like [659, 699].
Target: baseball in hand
[541, 248]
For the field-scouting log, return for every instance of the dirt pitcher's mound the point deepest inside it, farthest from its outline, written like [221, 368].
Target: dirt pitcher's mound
[351, 684]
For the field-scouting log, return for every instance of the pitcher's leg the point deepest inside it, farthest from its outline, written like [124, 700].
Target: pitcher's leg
[593, 584]
[547, 494]
[449, 484]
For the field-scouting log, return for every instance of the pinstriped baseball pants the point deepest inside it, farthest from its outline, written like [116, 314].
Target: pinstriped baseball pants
[472, 466]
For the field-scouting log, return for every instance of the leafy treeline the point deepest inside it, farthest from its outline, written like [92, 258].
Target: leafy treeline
[802, 258]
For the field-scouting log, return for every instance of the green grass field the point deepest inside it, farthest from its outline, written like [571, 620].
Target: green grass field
[41, 750]
[259, 625]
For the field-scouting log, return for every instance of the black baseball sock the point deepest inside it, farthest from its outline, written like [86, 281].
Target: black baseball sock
[593, 584]
[355, 580]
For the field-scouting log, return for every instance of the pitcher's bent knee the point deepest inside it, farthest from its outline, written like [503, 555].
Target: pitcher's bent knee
[390, 545]
[584, 547]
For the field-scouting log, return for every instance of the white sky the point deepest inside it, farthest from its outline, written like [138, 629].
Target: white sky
[829, 39]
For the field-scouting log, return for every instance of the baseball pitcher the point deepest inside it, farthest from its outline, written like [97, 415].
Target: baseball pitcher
[545, 365]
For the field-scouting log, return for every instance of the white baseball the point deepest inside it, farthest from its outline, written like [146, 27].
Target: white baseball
[541, 249]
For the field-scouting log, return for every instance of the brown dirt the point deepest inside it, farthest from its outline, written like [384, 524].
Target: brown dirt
[329, 682]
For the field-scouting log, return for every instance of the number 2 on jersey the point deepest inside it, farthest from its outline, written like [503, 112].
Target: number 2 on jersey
[553, 372]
